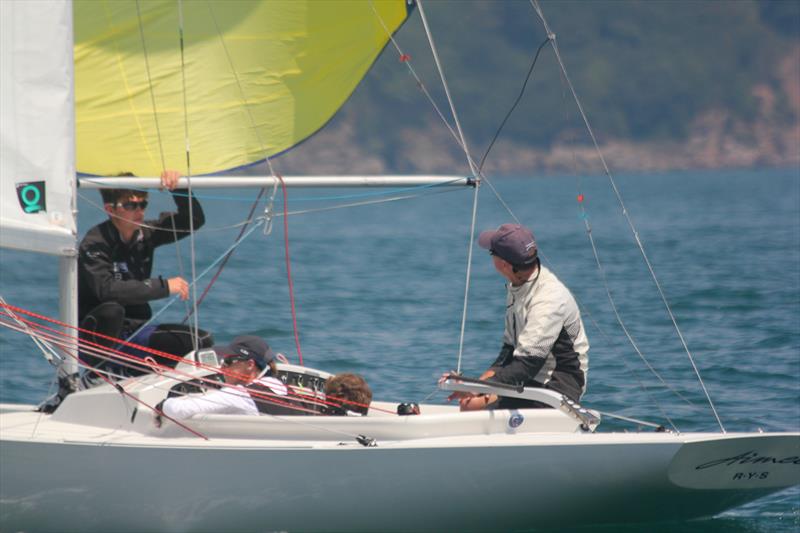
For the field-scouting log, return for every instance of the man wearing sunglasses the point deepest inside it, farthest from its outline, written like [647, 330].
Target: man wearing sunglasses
[544, 343]
[115, 281]
[243, 361]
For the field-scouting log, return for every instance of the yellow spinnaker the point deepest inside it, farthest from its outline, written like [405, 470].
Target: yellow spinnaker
[260, 77]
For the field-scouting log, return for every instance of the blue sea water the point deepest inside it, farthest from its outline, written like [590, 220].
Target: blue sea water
[380, 288]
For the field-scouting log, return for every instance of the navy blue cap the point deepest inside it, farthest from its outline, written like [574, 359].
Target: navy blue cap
[512, 243]
[247, 347]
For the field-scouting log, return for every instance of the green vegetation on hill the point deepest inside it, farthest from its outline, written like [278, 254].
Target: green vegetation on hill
[645, 70]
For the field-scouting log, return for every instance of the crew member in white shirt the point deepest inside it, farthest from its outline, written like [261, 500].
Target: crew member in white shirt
[243, 360]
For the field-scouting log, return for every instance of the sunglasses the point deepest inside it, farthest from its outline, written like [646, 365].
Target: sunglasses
[232, 360]
[131, 206]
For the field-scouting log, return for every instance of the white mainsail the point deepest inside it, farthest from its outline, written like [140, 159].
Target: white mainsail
[37, 146]
[37, 140]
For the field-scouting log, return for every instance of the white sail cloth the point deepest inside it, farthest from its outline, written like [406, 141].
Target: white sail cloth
[37, 149]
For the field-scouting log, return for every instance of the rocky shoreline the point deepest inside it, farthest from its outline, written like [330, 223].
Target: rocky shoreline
[710, 146]
[714, 140]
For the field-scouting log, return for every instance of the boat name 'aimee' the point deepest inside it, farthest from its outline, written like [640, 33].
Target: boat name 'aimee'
[750, 457]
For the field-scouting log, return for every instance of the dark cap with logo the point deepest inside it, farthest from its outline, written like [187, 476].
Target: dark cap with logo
[512, 243]
[247, 347]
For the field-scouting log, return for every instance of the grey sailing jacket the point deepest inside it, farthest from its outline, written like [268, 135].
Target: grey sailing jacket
[544, 340]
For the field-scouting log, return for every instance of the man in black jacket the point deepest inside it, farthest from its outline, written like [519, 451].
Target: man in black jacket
[115, 281]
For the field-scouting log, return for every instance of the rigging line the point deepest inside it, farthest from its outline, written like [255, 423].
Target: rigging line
[150, 84]
[198, 277]
[235, 73]
[365, 203]
[227, 255]
[612, 302]
[601, 270]
[193, 286]
[633, 420]
[93, 348]
[407, 61]
[369, 194]
[155, 119]
[425, 91]
[468, 276]
[268, 227]
[473, 169]
[64, 345]
[158, 128]
[644, 388]
[103, 352]
[153, 408]
[180, 262]
[55, 337]
[242, 95]
[308, 199]
[439, 112]
[432, 44]
[48, 354]
[134, 362]
[261, 220]
[154, 228]
[552, 37]
[289, 268]
[508, 209]
[514, 106]
[50, 392]
[119, 358]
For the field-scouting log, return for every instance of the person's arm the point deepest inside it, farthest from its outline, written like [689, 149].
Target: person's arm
[176, 226]
[224, 401]
[97, 270]
[504, 357]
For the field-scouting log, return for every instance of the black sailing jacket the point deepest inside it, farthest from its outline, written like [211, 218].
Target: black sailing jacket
[110, 270]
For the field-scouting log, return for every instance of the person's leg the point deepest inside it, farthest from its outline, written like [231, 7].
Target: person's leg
[176, 339]
[105, 319]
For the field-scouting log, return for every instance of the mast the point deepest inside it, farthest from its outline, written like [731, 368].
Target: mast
[68, 264]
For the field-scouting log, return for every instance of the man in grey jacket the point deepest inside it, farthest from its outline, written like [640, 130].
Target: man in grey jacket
[544, 343]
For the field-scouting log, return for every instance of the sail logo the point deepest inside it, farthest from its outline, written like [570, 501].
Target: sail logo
[31, 196]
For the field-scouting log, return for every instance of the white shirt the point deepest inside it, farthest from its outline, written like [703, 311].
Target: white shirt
[227, 400]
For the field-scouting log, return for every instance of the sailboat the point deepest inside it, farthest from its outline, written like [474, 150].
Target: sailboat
[100, 462]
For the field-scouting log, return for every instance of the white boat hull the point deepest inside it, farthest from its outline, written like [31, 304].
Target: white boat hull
[114, 479]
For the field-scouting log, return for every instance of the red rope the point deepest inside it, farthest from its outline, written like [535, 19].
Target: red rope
[226, 258]
[135, 361]
[120, 389]
[289, 265]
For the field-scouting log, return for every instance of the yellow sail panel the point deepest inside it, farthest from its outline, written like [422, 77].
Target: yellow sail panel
[260, 76]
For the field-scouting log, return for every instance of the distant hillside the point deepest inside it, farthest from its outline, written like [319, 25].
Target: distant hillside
[666, 84]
